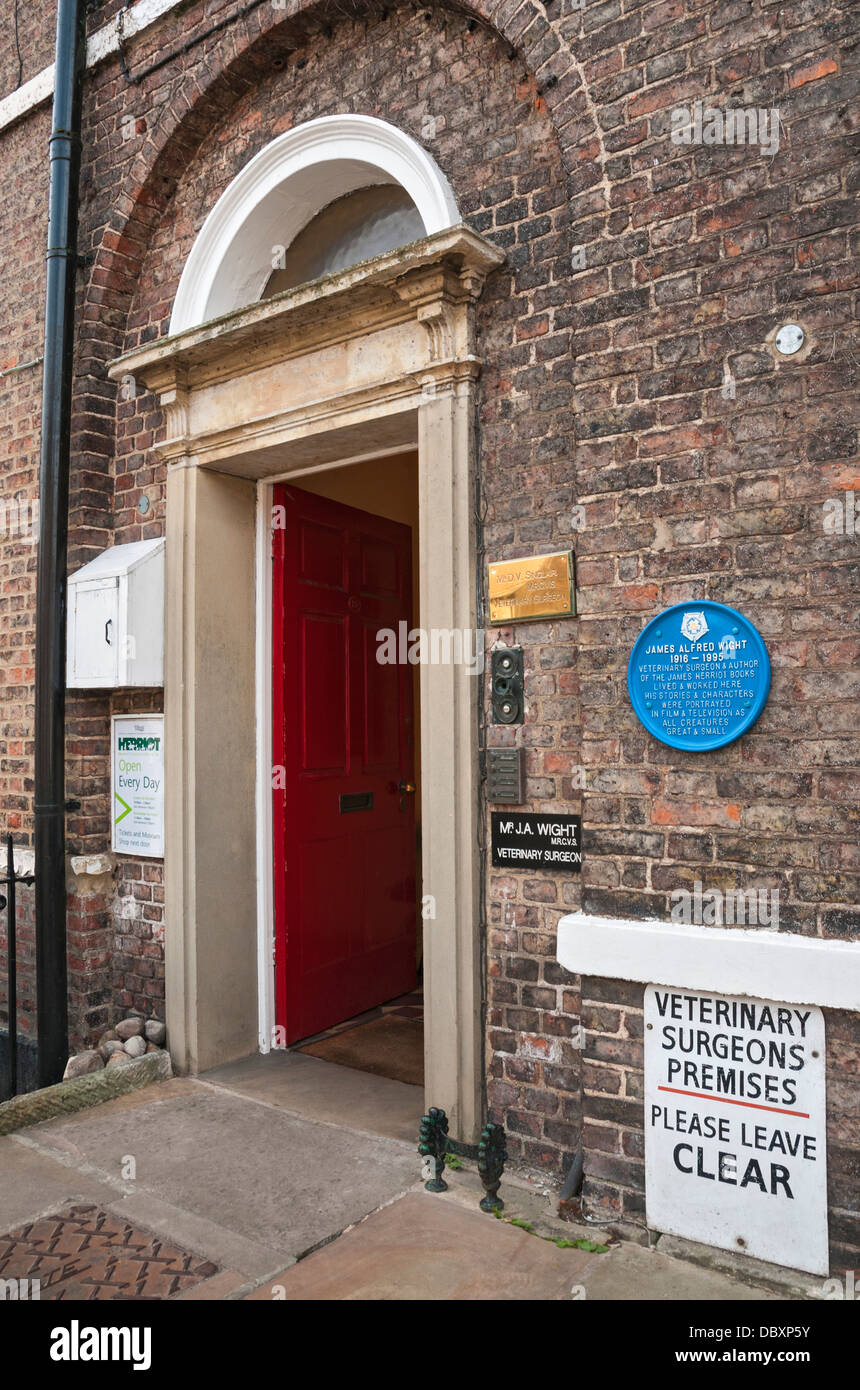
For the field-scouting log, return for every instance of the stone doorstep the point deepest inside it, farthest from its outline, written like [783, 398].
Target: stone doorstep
[524, 1198]
[81, 1092]
[611, 1275]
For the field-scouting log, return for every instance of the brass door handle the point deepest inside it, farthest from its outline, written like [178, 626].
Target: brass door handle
[404, 787]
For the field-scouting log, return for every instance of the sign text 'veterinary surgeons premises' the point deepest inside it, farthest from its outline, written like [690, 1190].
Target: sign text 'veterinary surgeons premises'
[735, 1151]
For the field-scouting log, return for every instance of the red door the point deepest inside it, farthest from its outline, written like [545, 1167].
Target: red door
[344, 808]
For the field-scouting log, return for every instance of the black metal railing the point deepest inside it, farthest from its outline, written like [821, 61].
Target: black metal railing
[8, 900]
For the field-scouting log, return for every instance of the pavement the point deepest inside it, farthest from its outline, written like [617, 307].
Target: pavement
[287, 1177]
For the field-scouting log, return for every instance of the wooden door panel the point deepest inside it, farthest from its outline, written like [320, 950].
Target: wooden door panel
[345, 879]
[383, 709]
[323, 721]
[323, 557]
[380, 569]
[327, 944]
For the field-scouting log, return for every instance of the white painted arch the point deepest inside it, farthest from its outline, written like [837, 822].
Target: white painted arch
[278, 192]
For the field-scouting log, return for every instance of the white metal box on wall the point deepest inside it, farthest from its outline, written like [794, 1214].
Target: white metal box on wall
[115, 630]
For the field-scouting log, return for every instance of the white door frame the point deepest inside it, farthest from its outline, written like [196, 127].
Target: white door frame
[370, 361]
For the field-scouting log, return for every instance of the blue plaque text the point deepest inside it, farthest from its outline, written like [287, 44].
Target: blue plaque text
[699, 675]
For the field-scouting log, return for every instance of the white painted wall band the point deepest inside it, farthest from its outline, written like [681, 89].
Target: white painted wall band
[102, 44]
[722, 960]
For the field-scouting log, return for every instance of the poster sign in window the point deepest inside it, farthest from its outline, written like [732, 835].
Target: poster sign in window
[137, 785]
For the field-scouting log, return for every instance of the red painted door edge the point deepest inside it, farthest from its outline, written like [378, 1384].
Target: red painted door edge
[279, 797]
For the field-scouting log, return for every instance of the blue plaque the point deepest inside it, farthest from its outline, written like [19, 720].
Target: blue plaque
[699, 675]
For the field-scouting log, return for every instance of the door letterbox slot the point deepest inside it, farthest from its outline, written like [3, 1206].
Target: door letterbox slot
[356, 801]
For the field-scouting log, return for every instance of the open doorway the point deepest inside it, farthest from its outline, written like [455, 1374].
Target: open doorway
[379, 359]
[346, 741]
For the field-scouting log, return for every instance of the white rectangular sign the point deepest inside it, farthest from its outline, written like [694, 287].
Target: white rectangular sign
[735, 1143]
[137, 785]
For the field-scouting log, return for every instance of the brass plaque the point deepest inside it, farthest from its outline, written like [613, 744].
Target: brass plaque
[540, 586]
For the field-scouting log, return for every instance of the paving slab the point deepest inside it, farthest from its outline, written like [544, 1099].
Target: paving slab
[219, 1287]
[36, 1182]
[421, 1248]
[33, 1184]
[238, 1184]
[324, 1091]
[249, 1259]
[631, 1274]
[277, 1180]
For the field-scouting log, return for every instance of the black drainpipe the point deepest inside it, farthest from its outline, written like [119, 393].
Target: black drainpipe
[65, 148]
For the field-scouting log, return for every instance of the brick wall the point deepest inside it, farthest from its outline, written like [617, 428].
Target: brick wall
[23, 211]
[695, 465]
[26, 41]
[631, 407]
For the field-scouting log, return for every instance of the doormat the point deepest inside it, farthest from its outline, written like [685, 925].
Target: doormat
[387, 1046]
[84, 1254]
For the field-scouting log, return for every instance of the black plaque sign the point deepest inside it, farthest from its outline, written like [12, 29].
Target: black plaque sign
[528, 841]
